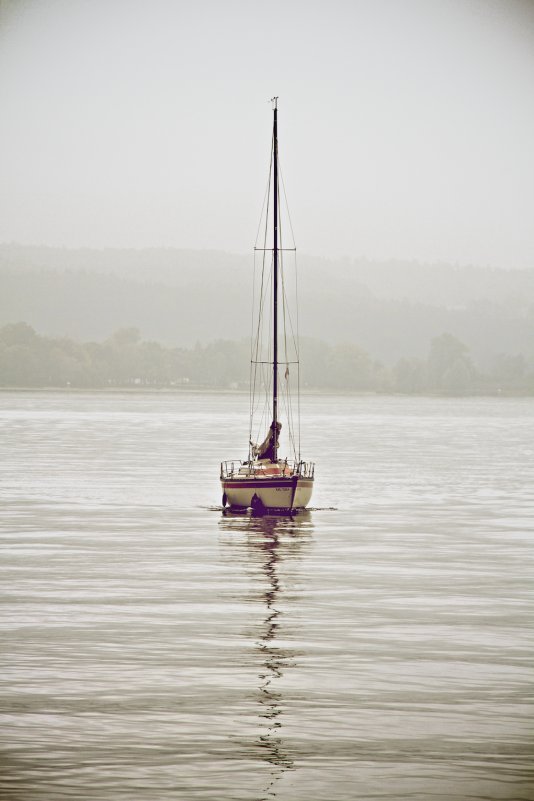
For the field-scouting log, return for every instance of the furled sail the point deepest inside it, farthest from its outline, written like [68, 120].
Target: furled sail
[269, 445]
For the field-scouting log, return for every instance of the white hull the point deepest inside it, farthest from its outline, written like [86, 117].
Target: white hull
[281, 493]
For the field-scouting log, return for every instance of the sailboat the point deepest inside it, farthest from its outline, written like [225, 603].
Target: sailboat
[266, 482]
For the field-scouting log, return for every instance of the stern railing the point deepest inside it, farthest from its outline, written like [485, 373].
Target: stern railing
[234, 468]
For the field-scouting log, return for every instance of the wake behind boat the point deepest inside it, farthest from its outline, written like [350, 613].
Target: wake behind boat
[264, 481]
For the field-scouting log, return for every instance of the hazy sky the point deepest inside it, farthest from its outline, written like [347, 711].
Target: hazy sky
[406, 126]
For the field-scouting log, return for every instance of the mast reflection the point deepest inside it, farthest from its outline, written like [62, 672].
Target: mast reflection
[272, 545]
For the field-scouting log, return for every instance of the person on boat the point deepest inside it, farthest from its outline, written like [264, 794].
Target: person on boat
[267, 448]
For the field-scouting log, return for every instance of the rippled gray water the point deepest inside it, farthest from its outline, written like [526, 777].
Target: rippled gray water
[154, 648]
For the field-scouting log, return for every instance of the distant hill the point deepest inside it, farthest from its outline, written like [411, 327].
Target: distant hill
[178, 297]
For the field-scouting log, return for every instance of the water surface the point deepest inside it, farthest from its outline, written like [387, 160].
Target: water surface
[154, 648]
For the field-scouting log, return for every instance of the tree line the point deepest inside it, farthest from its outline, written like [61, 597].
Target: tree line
[390, 309]
[125, 360]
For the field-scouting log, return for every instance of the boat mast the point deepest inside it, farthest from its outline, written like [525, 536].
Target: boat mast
[275, 279]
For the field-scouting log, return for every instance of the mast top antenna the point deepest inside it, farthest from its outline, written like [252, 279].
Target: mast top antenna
[274, 101]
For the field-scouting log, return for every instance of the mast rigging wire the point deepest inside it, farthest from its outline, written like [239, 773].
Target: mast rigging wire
[261, 344]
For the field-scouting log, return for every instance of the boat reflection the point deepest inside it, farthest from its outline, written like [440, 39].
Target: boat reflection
[273, 546]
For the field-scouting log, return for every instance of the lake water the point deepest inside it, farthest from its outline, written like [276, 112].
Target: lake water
[379, 646]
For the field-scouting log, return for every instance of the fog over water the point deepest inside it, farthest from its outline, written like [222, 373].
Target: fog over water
[406, 127]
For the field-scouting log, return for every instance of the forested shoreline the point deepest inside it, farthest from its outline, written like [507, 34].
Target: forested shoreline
[389, 309]
[125, 360]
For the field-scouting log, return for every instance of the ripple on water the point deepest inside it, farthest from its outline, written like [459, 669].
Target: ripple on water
[377, 646]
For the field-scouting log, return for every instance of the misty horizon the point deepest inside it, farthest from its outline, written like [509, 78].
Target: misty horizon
[391, 310]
